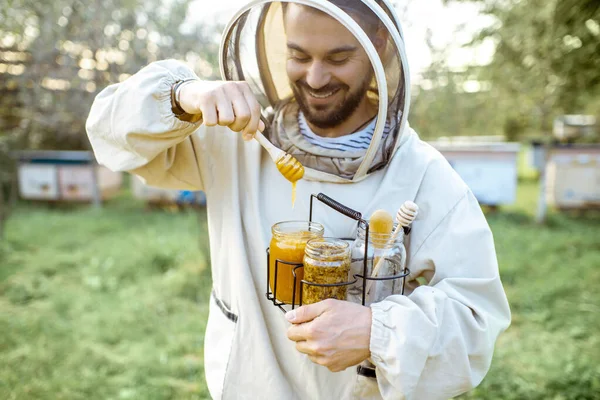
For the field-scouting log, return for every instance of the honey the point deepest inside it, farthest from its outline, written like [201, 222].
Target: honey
[292, 170]
[326, 262]
[381, 222]
[294, 193]
[287, 245]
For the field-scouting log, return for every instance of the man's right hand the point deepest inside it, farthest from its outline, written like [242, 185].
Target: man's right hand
[230, 104]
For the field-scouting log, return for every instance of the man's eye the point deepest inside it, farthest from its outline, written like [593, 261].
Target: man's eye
[300, 59]
[339, 60]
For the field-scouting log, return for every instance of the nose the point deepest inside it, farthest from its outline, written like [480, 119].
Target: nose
[317, 75]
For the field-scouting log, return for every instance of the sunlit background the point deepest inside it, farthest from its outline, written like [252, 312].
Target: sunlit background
[104, 282]
[450, 26]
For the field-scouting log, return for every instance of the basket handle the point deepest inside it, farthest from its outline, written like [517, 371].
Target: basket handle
[339, 207]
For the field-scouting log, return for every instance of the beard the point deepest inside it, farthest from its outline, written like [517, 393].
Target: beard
[330, 116]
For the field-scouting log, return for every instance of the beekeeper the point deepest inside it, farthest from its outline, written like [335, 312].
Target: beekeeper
[328, 82]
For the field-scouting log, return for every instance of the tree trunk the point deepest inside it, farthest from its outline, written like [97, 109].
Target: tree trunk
[542, 209]
[8, 199]
[3, 211]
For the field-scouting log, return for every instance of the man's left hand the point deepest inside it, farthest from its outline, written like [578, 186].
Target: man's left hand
[333, 333]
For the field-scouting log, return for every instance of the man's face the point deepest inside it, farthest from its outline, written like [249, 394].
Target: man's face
[329, 70]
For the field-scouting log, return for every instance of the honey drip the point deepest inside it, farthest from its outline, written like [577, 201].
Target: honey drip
[294, 193]
[292, 170]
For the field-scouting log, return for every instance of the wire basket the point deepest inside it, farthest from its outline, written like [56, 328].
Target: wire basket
[297, 301]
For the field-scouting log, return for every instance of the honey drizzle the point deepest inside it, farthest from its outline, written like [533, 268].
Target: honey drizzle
[292, 170]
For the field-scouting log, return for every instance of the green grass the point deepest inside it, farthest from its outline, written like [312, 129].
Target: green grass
[112, 304]
[107, 304]
[551, 275]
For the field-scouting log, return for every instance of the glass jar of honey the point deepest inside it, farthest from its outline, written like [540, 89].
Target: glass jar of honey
[286, 251]
[326, 262]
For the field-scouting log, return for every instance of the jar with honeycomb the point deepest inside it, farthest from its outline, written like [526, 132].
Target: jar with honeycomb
[326, 262]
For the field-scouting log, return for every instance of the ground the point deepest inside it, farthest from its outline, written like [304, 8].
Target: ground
[112, 304]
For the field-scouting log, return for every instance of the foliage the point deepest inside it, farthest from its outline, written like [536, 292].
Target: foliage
[56, 56]
[451, 102]
[441, 106]
[545, 64]
[546, 61]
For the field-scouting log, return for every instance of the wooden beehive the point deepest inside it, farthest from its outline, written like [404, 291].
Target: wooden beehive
[65, 176]
[489, 169]
[573, 176]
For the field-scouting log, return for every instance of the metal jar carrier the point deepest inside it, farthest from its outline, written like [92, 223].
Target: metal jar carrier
[364, 224]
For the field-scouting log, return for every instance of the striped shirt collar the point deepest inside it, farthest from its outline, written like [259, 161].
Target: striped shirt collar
[353, 142]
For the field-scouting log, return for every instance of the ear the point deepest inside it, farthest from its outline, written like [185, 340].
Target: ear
[380, 40]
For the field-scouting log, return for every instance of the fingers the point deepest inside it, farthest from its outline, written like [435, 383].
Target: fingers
[299, 332]
[241, 108]
[308, 313]
[224, 109]
[316, 359]
[241, 114]
[304, 347]
[209, 115]
[312, 348]
[325, 362]
[231, 104]
[254, 123]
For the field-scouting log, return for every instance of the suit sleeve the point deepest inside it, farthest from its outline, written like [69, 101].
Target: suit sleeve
[132, 128]
[438, 342]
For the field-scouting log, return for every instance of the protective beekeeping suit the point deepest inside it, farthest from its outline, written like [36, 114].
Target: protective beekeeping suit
[434, 342]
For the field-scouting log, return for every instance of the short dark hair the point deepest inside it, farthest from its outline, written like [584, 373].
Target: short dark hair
[367, 19]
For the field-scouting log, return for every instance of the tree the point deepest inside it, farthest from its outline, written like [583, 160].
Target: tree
[56, 56]
[546, 61]
[453, 102]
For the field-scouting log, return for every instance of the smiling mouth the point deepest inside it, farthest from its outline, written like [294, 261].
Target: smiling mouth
[322, 96]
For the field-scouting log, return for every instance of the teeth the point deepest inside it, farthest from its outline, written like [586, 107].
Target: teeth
[323, 96]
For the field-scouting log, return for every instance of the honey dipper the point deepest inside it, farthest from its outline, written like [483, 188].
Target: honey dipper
[405, 216]
[289, 167]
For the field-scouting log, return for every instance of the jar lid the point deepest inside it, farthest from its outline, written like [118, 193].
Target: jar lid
[298, 229]
[327, 247]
